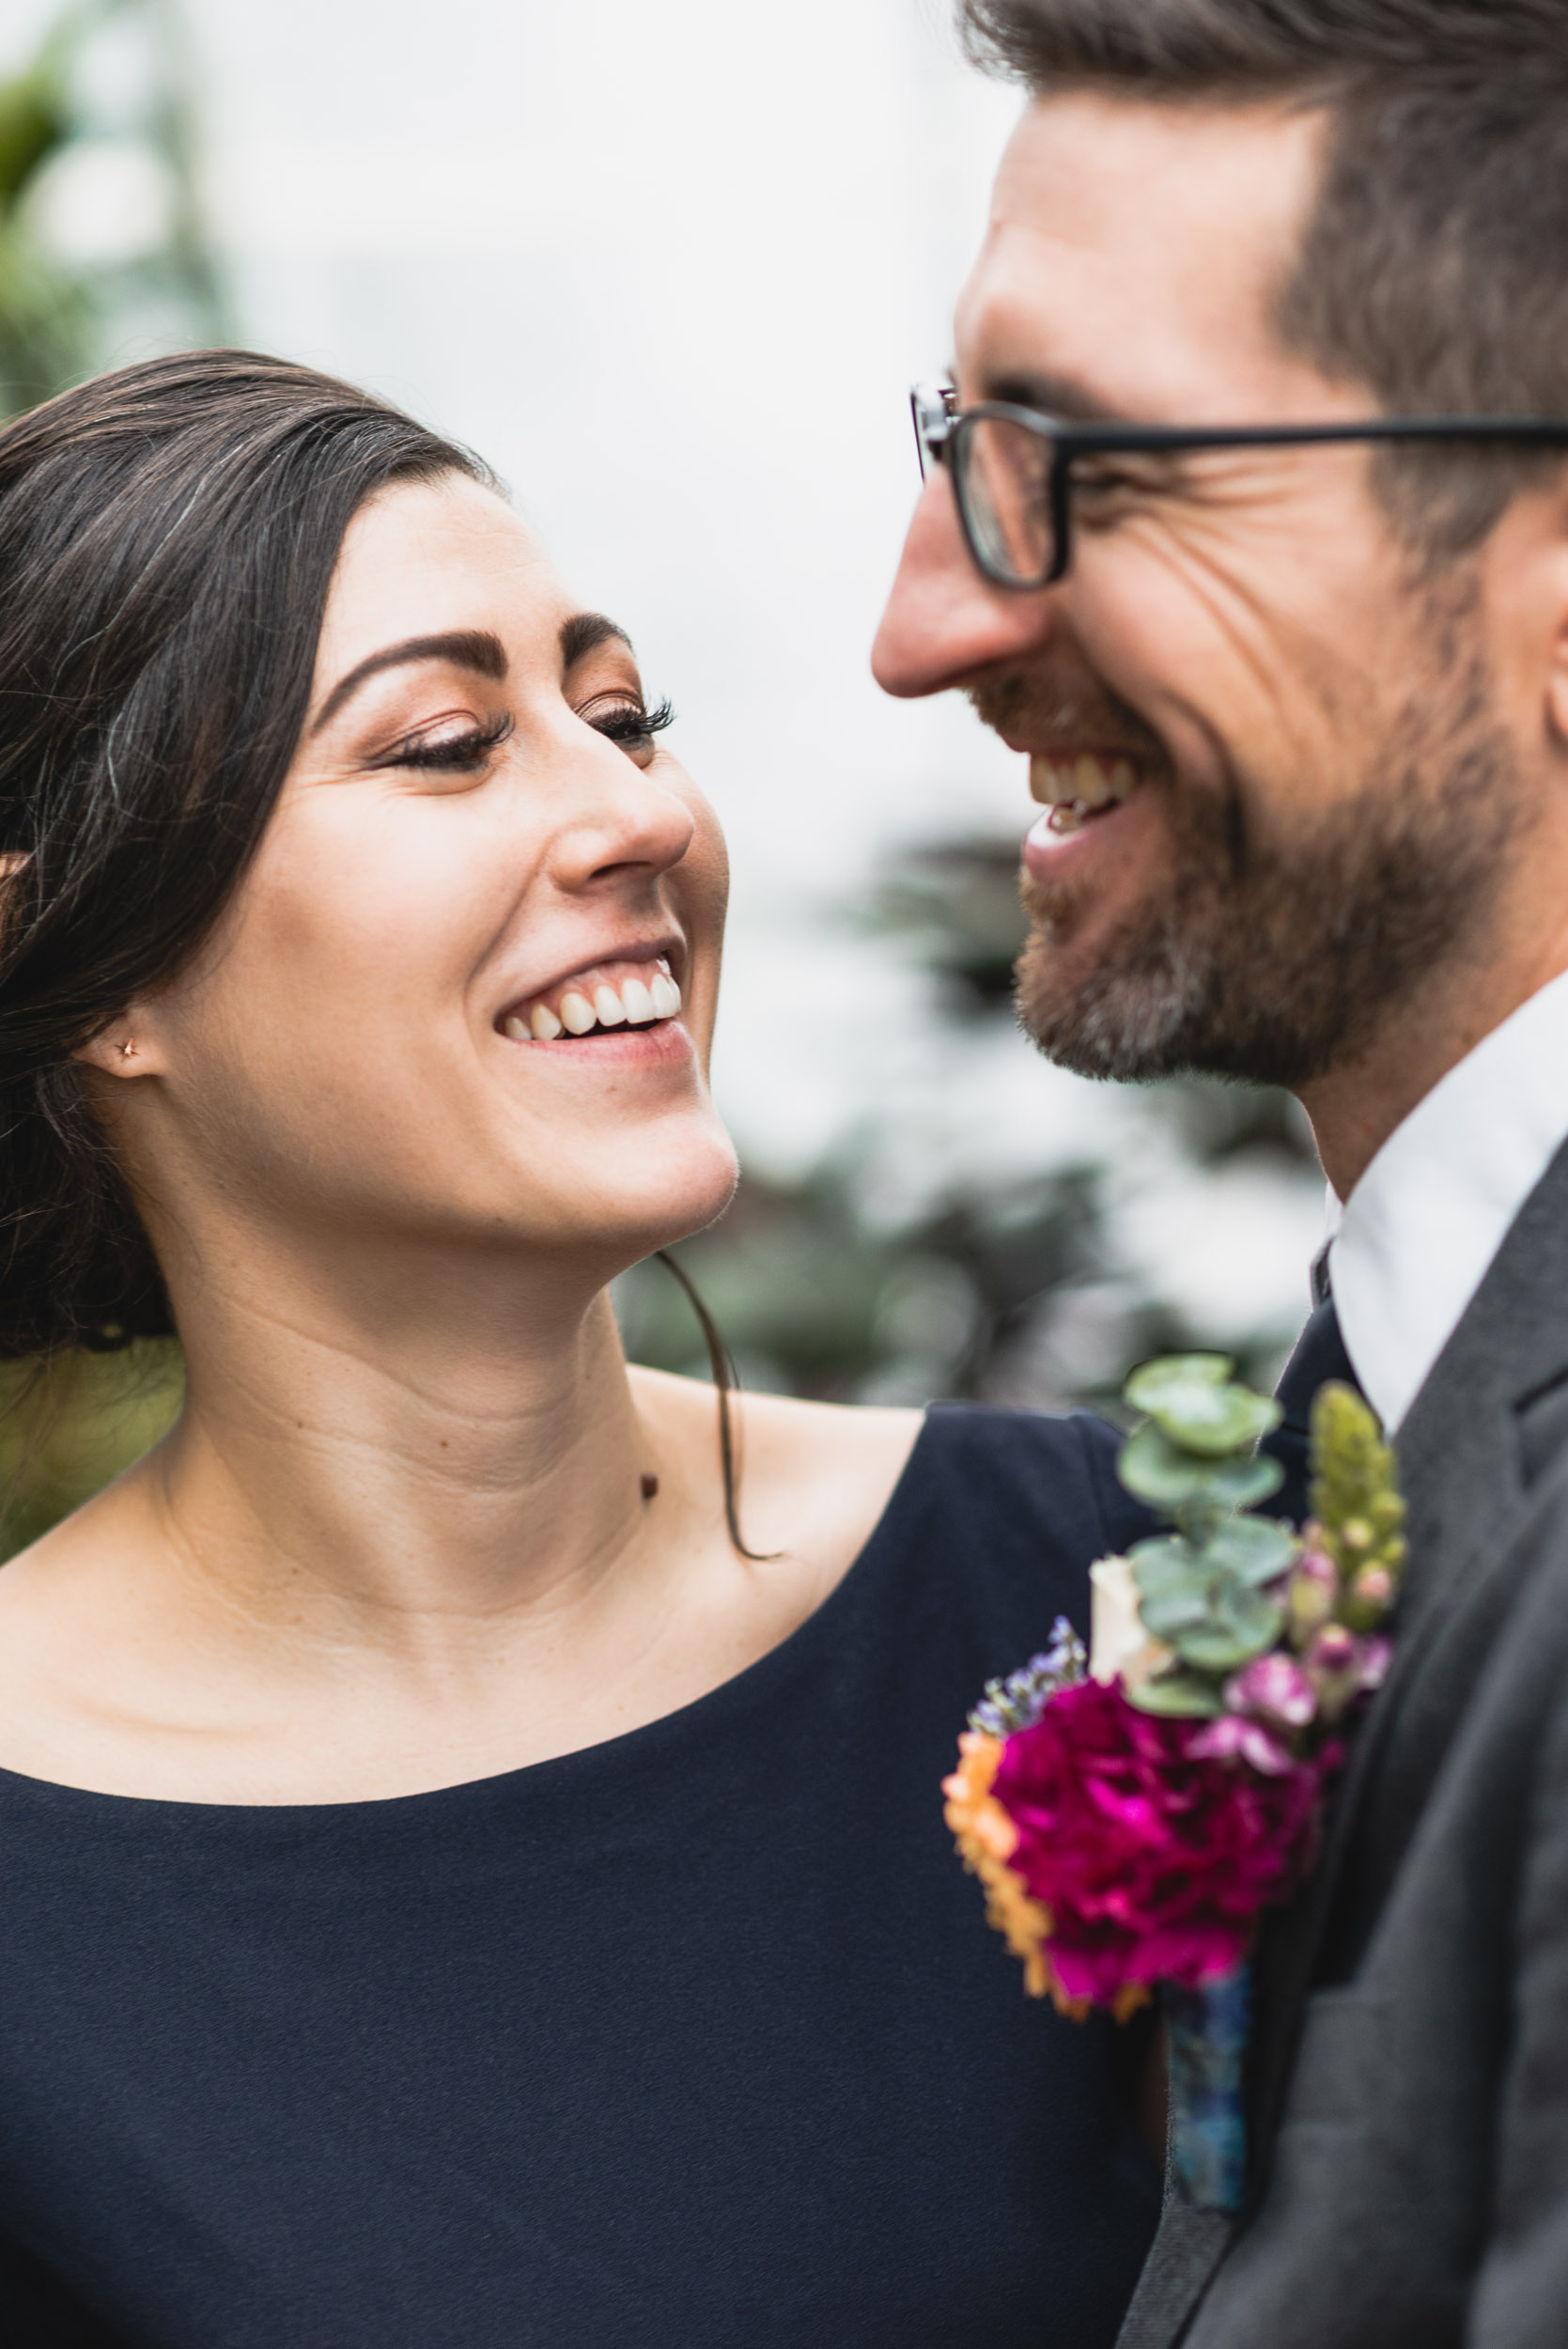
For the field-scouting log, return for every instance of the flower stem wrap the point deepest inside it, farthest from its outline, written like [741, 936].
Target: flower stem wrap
[1208, 2042]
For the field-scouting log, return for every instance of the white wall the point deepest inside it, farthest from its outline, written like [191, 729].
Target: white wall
[671, 268]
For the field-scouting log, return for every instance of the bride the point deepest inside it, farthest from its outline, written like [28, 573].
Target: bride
[475, 1867]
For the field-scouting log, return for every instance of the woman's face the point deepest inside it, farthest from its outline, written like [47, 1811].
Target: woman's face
[444, 1001]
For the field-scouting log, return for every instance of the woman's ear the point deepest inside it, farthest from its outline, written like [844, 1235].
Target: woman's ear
[118, 1051]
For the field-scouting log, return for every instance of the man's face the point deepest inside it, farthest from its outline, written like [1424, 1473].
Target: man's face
[1277, 793]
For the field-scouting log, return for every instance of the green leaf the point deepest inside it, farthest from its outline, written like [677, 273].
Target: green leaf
[1152, 1382]
[1250, 1616]
[1193, 1400]
[1164, 1565]
[1179, 1693]
[1242, 1483]
[1227, 1421]
[1214, 1650]
[1238, 1625]
[1253, 1550]
[1154, 1469]
[1175, 1612]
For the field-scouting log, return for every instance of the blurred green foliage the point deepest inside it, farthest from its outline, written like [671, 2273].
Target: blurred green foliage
[44, 313]
[106, 82]
[66, 1432]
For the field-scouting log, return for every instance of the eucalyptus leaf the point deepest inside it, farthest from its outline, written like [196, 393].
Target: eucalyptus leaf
[1242, 1483]
[1252, 1550]
[1156, 1470]
[1153, 1469]
[1176, 1611]
[1182, 1694]
[1216, 1422]
[1250, 1615]
[1160, 1568]
[1213, 1650]
[1152, 1382]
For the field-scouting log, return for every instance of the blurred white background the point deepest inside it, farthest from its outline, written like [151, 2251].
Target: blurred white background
[671, 269]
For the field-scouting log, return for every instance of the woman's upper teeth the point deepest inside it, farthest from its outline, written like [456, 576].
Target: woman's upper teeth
[587, 1003]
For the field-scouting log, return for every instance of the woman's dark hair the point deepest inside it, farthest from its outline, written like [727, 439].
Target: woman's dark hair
[168, 533]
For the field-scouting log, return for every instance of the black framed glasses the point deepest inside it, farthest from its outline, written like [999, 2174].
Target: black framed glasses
[1012, 467]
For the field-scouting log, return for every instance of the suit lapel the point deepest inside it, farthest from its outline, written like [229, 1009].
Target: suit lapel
[1460, 1463]
[1460, 1466]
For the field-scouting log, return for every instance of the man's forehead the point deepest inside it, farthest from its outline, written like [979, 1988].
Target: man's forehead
[1133, 255]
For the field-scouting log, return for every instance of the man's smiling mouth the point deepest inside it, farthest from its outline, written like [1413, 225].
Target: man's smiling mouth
[1080, 786]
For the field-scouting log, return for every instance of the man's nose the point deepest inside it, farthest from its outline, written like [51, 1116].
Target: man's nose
[944, 622]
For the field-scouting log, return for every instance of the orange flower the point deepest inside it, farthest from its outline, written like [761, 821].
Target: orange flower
[986, 1839]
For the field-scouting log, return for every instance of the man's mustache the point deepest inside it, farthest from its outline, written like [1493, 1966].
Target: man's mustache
[1077, 711]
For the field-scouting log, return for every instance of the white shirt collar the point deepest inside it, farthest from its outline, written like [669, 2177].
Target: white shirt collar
[1413, 1240]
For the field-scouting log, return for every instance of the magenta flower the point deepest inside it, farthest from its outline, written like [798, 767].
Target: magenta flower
[1152, 1857]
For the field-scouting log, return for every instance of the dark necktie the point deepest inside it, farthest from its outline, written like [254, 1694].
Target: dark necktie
[1319, 1356]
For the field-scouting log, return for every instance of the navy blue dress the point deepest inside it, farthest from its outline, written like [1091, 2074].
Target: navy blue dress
[695, 2040]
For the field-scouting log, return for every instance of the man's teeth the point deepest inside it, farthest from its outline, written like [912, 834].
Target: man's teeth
[1076, 789]
[635, 1003]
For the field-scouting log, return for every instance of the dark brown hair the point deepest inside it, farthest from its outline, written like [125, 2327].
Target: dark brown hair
[1435, 267]
[167, 536]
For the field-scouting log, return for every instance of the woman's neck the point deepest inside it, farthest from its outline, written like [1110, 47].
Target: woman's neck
[363, 1467]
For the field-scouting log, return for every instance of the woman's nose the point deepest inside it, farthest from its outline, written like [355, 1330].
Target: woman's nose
[944, 623]
[625, 820]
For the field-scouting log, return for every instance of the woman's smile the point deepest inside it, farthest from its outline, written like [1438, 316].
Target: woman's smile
[634, 991]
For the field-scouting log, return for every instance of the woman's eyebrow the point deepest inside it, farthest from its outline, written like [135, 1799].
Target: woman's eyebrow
[465, 647]
[585, 631]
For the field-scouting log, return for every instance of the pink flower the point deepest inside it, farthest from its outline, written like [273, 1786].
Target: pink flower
[1377, 1655]
[1344, 1667]
[1234, 1737]
[1334, 1650]
[1152, 1858]
[1275, 1689]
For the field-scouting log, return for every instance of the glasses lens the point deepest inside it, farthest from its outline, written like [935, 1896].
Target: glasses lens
[1002, 475]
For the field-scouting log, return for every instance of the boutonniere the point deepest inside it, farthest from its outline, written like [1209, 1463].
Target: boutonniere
[1131, 1812]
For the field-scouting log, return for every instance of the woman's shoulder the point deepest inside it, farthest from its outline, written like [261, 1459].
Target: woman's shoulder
[1014, 1490]
[814, 1477]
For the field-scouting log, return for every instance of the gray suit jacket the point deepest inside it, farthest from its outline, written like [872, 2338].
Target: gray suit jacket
[1408, 2069]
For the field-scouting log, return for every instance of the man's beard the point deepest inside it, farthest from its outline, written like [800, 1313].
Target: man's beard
[1274, 959]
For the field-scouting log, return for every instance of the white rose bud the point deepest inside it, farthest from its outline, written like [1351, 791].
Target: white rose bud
[1117, 1639]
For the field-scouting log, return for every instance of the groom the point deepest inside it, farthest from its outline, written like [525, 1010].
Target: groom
[1295, 707]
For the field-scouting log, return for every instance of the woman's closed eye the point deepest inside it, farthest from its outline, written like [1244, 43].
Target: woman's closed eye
[624, 719]
[451, 747]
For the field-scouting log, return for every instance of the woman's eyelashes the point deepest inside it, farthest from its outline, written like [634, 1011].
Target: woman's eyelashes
[627, 720]
[463, 751]
[464, 748]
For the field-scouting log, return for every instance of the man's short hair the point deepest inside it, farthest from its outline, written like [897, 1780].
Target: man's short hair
[1435, 265]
